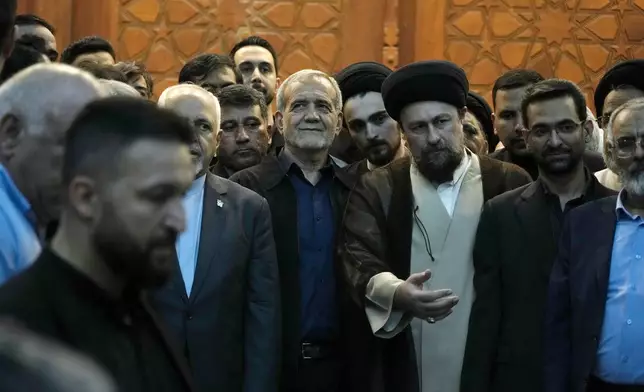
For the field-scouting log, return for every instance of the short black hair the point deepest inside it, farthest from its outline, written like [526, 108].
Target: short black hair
[240, 95]
[515, 78]
[200, 67]
[254, 40]
[33, 20]
[86, 45]
[7, 19]
[102, 71]
[106, 127]
[550, 89]
[22, 57]
[134, 70]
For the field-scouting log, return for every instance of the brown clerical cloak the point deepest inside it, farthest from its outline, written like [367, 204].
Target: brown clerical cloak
[377, 238]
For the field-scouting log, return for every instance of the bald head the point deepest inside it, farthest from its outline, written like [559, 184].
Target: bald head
[201, 109]
[114, 88]
[37, 106]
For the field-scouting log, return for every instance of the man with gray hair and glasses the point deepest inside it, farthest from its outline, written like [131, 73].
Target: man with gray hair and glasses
[595, 307]
[306, 192]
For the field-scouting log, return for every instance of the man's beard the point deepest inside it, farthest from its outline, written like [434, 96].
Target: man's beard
[437, 164]
[148, 266]
[381, 153]
[558, 161]
[633, 179]
[268, 97]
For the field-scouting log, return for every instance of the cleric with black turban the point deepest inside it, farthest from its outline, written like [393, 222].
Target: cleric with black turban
[358, 78]
[419, 215]
[623, 82]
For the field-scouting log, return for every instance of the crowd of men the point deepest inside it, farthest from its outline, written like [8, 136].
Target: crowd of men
[372, 230]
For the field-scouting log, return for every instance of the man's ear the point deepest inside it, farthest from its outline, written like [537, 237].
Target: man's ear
[10, 135]
[82, 195]
[461, 112]
[278, 82]
[338, 126]
[588, 128]
[493, 117]
[279, 122]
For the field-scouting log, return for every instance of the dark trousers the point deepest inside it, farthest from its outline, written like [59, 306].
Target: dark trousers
[597, 385]
[318, 375]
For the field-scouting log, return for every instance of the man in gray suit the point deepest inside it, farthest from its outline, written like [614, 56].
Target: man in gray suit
[223, 302]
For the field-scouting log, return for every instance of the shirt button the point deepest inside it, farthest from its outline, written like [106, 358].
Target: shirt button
[318, 219]
[629, 321]
[624, 359]
[638, 257]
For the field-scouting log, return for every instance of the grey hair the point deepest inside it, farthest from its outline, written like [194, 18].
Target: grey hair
[114, 88]
[184, 89]
[633, 104]
[594, 141]
[39, 92]
[299, 75]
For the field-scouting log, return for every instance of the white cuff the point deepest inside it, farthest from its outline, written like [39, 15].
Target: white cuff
[385, 322]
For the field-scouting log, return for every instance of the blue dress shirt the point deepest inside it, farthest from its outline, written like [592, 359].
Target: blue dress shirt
[188, 241]
[316, 242]
[620, 357]
[19, 242]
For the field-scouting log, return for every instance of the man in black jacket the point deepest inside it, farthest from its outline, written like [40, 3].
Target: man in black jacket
[516, 244]
[307, 193]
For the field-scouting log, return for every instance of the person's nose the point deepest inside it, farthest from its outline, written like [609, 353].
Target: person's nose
[519, 128]
[256, 75]
[554, 140]
[371, 132]
[241, 136]
[312, 115]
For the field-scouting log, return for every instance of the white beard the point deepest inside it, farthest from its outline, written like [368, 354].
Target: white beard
[634, 184]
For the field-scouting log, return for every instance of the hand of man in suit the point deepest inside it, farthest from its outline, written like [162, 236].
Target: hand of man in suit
[430, 305]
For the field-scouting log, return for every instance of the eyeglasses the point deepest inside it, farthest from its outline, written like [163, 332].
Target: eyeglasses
[563, 129]
[626, 146]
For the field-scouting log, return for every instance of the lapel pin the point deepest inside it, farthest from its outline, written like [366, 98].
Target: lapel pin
[220, 203]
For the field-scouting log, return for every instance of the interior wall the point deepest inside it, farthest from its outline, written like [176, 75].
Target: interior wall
[571, 39]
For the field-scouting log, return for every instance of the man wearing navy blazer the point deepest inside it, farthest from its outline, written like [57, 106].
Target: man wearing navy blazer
[594, 335]
[222, 304]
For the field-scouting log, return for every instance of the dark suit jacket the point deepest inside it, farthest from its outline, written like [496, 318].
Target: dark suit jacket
[593, 161]
[513, 255]
[271, 181]
[218, 169]
[229, 327]
[376, 237]
[577, 296]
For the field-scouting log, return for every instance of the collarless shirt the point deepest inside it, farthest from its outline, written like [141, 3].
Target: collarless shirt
[54, 299]
[19, 242]
[188, 242]
[620, 358]
[316, 243]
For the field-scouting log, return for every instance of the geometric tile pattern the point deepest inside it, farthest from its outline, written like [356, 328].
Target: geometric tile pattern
[569, 39]
[164, 34]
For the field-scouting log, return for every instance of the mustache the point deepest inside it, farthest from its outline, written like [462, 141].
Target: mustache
[556, 151]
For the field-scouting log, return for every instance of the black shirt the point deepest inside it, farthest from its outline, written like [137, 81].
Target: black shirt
[557, 214]
[55, 300]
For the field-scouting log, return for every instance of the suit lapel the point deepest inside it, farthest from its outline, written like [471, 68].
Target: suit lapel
[604, 230]
[177, 283]
[213, 221]
[534, 215]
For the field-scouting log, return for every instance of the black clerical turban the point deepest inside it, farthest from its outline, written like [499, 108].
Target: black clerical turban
[482, 111]
[361, 78]
[630, 72]
[432, 80]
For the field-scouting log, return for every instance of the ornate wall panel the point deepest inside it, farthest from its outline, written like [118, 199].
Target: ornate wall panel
[166, 33]
[570, 39]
